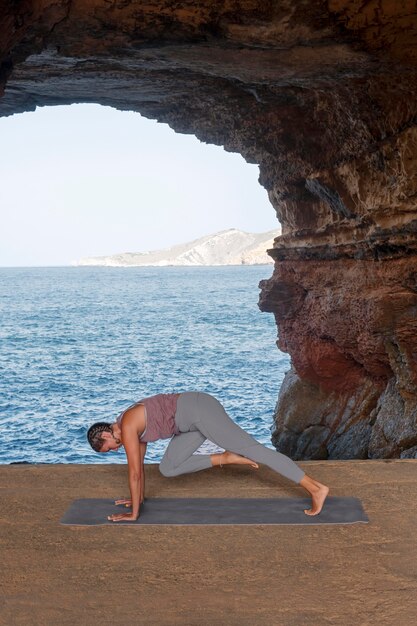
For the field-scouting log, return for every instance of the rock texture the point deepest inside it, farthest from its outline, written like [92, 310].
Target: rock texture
[323, 96]
[227, 247]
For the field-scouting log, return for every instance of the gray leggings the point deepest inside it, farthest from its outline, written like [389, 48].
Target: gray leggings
[200, 416]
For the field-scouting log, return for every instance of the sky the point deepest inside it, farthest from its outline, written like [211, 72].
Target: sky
[87, 180]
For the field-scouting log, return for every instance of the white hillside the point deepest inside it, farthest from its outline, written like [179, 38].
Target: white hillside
[227, 247]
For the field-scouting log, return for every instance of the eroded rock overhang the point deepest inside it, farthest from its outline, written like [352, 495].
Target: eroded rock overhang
[323, 96]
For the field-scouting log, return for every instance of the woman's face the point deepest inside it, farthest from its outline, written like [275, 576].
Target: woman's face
[110, 443]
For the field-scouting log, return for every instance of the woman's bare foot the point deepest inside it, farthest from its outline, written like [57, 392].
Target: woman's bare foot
[227, 458]
[318, 492]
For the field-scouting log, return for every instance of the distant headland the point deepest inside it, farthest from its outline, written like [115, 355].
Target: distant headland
[226, 247]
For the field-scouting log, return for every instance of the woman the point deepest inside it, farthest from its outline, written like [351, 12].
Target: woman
[189, 418]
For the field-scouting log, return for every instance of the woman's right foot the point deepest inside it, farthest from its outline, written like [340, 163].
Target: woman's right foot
[231, 457]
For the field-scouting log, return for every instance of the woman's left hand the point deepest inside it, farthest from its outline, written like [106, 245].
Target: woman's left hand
[125, 501]
[122, 517]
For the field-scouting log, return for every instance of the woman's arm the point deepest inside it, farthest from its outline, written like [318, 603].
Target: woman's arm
[131, 445]
[134, 466]
[135, 489]
[142, 447]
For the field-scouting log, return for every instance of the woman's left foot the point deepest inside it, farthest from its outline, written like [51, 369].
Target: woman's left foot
[232, 457]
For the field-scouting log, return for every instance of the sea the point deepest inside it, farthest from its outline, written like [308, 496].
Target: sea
[80, 344]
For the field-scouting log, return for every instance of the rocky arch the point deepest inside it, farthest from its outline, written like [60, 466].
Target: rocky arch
[323, 96]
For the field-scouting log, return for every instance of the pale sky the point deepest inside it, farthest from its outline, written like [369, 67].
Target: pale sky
[86, 180]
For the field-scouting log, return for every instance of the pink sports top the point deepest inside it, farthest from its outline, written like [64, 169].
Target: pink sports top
[159, 414]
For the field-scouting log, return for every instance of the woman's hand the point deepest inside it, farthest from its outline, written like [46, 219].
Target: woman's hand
[122, 517]
[125, 501]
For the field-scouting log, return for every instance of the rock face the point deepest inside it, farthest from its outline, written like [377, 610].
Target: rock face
[323, 96]
[227, 247]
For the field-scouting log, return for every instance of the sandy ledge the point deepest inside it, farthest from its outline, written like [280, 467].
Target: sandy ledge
[358, 574]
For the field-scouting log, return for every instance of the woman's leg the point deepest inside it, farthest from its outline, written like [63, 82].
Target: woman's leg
[179, 458]
[201, 413]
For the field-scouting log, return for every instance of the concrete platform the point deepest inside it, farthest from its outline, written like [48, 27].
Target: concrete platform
[358, 574]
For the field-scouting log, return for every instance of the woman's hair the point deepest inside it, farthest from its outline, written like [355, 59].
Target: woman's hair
[94, 434]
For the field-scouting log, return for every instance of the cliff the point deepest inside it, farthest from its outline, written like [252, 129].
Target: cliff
[227, 247]
[323, 96]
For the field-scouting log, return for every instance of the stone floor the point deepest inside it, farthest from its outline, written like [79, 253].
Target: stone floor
[358, 574]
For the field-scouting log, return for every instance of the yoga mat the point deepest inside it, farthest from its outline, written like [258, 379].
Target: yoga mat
[183, 511]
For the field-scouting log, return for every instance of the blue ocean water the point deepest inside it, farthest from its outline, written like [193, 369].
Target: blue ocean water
[80, 344]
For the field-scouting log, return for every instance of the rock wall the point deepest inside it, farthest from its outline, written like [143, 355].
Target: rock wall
[323, 96]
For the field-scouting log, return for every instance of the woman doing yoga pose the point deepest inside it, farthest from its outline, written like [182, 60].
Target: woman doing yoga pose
[189, 418]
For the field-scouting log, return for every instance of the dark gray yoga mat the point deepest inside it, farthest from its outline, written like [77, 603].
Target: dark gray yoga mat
[171, 511]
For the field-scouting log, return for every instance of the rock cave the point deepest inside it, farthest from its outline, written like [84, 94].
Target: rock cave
[322, 95]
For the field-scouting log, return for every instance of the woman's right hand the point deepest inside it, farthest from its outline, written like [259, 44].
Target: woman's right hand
[125, 501]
